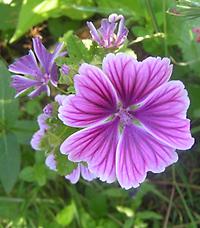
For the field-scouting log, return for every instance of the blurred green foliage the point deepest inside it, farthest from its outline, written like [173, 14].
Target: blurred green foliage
[40, 198]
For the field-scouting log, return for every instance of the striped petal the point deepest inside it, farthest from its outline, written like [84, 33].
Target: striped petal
[163, 114]
[96, 146]
[137, 153]
[26, 65]
[95, 99]
[74, 176]
[134, 80]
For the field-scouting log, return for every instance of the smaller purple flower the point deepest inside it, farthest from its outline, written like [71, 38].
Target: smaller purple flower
[42, 122]
[65, 69]
[112, 32]
[38, 135]
[36, 139]
[48, 109]
[51, 162]
[74, 176]
[35, 70]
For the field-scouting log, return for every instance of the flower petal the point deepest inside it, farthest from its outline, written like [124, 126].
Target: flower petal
[42, 121]
[60, 98]
[39, 90]
[94, 102]
[36, 139]
[163, 114]
[137, 153]
[42, 54]
[96, 146]
[26, 65]
[86, 174]
[21, 84]
[51, 162]
[74, 176]
[134, 80]
[54, 75]
[94, 33]
[57, 52]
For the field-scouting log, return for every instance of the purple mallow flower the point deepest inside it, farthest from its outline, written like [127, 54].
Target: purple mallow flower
[134, 118]
[36, 69]
[112, 32]
[74, 176]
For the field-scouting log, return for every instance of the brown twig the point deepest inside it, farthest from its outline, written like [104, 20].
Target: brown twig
[165, 225]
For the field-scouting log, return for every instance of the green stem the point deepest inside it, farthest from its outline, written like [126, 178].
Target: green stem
[141, 38]
[61, 90]
[152, 15]
[182, 196]
[165, 27]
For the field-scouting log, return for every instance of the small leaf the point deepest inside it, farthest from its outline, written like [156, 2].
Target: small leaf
[77, 51]
[64, 165]
[66, 215]
[9, 160]
[151, 215]
[127, 211]
[40, 174]
[27, 174]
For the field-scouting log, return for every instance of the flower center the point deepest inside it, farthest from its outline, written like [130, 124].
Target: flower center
[46, 78]
[125, 117]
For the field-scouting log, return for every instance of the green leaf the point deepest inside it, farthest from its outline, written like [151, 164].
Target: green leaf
[76, 9]
[125, 210]
[66, 215]
[148, 215]
[125, 7]
[8, 105]
[59, 26]
[40, 174]
[33, 107]
[194, 93]
[64, 165]
[115, 192]
[97, 203]
[77, 51]
[32, 13]
[24, 130]
[27, 174]
[9, 160]
[9, 15]
[37, 11]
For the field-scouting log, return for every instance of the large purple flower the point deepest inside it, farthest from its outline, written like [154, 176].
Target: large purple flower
[107, 36]
[134, 119]
[39, 74]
